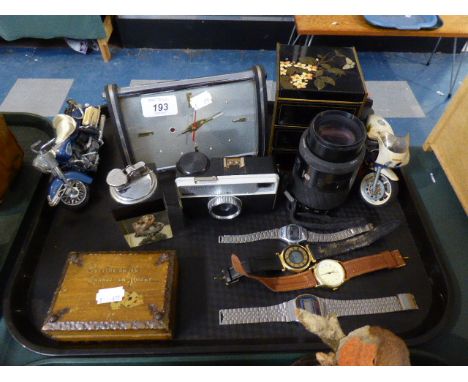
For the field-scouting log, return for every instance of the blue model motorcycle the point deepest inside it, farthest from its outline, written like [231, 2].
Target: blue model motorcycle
[69, 158]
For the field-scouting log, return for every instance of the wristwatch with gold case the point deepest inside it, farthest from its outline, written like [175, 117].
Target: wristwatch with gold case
[326, 273]
[296, 258]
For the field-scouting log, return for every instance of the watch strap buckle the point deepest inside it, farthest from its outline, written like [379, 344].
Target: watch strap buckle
[396, 260]
[228, 275]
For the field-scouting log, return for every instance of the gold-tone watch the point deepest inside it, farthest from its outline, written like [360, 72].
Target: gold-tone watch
[329, 273]
[296, 258]
[326, 273]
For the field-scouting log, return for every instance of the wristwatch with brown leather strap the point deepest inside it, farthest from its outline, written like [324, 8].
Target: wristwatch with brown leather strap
[298, 258]
[327, 273]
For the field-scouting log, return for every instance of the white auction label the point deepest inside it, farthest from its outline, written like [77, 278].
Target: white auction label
[107, 295]
[201, 100]
[159, 106]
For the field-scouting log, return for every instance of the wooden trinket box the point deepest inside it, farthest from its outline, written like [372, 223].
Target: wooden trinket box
[311, 80]
[144, 312]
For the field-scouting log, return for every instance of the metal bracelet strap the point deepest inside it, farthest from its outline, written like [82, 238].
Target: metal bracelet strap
[276, 313]
[403, 301]
[250, 237]
[315, 237]
[312, 237]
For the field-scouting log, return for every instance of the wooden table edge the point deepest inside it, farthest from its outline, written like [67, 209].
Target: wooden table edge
[365, 29]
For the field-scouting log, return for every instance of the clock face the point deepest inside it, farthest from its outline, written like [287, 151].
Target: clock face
[296, 258]
[329, 273]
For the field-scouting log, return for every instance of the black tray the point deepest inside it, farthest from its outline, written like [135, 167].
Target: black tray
[27, 129]
[51, 233]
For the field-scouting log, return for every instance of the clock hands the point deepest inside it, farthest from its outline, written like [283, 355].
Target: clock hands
[328, 273]
[194, 126]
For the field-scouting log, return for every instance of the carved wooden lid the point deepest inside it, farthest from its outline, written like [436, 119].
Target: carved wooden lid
[147, 279]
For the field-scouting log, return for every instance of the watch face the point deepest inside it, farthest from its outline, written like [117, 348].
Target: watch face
[308, 302]
[293, 232]
[329, 273]
[296, 258]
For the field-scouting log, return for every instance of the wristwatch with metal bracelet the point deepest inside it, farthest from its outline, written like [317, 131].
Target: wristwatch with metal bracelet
[287, 311]
[298, 258]
[294, 234]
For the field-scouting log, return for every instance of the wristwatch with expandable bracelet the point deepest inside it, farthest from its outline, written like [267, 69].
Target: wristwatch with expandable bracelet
[294, 234]
[326, 273]
[286, 312]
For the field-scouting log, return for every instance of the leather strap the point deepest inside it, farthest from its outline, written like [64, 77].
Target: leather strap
[262, 264]
[251, 266]
[281, 283]
[320, 252]
[304, 280]
[368, 264]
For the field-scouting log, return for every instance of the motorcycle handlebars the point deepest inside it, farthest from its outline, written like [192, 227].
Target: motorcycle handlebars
[45, 147]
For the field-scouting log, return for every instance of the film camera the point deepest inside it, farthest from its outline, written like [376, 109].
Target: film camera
[223, 187]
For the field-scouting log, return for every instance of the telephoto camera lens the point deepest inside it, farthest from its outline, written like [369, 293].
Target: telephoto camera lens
[330, 153]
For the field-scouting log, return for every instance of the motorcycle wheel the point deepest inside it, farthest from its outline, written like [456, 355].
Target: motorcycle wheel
[386, 190]
[76, 196]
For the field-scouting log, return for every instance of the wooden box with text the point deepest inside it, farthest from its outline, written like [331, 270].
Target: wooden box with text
[86, 306]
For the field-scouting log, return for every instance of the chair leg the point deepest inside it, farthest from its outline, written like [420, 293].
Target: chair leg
[453, 79]
[104, 48]
[103, 42]
[292, 34]
[434, 50]
[296, 39]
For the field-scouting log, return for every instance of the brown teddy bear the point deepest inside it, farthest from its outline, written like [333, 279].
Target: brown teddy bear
[366, 346]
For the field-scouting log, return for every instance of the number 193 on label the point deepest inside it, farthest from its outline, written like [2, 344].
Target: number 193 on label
[159, 106]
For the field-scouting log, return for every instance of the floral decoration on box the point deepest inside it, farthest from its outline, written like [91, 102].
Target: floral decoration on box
[320, 71]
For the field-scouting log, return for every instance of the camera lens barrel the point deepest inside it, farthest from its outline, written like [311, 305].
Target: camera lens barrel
[224, 207]
[336, 136]
[330, 153]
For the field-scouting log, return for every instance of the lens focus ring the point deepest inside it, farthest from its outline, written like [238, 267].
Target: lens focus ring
[224, 207]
